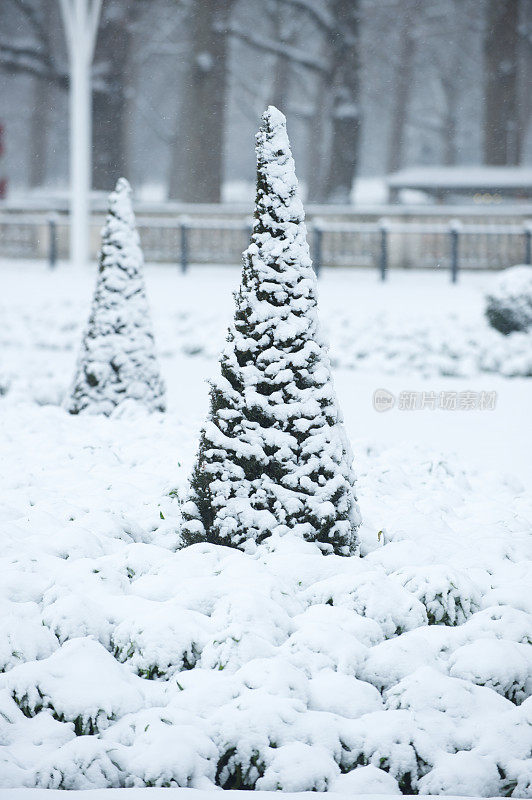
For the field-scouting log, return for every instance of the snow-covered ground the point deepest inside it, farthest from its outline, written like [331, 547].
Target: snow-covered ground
[176, 794]
[282, 669]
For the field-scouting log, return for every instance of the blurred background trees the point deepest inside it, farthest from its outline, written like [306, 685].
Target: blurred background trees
[369, 86]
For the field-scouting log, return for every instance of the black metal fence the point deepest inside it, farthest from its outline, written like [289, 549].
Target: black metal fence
[407, 245]
[384, 244]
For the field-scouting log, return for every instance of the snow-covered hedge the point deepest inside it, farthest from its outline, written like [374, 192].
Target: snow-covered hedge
[281, 670]
[509, 300]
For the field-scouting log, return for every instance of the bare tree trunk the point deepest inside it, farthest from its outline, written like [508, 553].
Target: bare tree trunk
[38, 132]
[280, 83]
[525, 70]
[318, 142]
[204, 102]
[284, 34]
[403, 88]
[176, 167]
[345, 68]
[450, 122]
[449, 139]
[502, 143]
[109, 96]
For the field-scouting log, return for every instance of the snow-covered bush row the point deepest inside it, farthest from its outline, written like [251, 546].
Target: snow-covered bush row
[509, 300]
[405, 670]
[270, 689]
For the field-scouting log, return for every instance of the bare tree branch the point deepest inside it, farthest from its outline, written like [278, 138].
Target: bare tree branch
[18, 58]
[319, 16]
[289, 52]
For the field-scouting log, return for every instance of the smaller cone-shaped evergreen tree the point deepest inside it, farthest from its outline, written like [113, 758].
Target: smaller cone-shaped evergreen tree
[117, 359]
[273, 455]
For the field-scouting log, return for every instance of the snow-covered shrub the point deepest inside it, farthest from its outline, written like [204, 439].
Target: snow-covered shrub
[239, 768]
[162, 747]
[509, 300]
[22, 635]
[245, 740]
[247, 625]
[117, 360]
[464, 773]
[40, 736]
[365, 780]
[389, 741]
[72, 616]
[263, 733]
[248, 730]
[372, 595]
[273, 455]
[449, 595]
[80, 683]
[158, 640]
[451, 715]
[298, 767]
[512, 590]
[390, 661]
[346, 621]
[342, 694]
[315, 646]
[498, 622]
[516, 778]
[502, 665]
[83, 763]
[277, 676]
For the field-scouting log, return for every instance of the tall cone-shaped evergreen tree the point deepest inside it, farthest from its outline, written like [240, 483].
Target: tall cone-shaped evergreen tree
[117, 359]
[273, 455]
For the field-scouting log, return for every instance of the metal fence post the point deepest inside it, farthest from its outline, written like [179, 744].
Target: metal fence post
[317, 237]
[454, 231]
[383, 255]
[528, 244]
[52, 241]
[184, 244]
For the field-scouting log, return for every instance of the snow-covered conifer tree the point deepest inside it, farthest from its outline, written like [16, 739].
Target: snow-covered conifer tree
[117, 359]
[273, 455]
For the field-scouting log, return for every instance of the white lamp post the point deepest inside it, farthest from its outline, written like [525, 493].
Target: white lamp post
[80, 18]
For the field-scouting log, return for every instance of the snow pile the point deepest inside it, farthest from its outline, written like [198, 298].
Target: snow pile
[117, 360]
[129, 662]
[509, 300]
